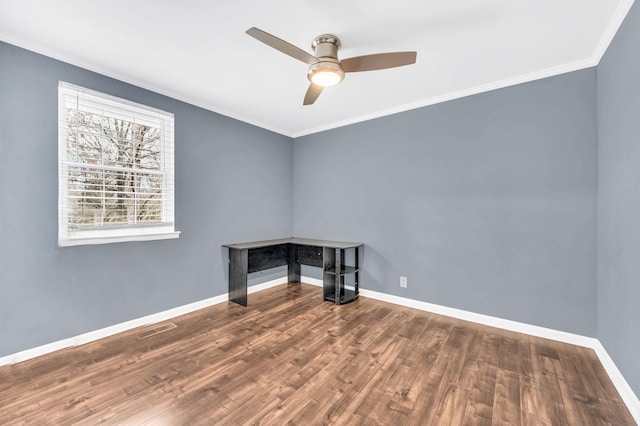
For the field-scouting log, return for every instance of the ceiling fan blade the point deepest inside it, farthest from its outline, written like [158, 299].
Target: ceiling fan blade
[312, 94]
[379, 61]
[281, 45]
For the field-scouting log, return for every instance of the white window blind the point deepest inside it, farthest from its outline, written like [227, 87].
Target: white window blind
[116, 169]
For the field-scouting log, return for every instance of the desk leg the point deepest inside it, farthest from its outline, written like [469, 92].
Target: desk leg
[294, 265]
[338, 276]
[238, 266]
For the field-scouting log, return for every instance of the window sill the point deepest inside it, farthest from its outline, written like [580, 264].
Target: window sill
[69, 242]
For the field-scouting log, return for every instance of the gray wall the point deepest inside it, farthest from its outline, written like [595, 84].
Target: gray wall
[233, 183]
[619, 199]
[485, 203]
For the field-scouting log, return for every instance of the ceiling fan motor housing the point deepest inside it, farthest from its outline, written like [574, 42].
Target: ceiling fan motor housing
[326, 49]
[326, 45]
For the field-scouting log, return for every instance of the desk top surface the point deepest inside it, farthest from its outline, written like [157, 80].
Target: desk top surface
[294, 240]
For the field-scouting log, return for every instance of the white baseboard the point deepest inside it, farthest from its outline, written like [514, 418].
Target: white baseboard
[259, 287]
[625, 391]
[533, 330]
[520, 327]
[312, 281]
[128, 325]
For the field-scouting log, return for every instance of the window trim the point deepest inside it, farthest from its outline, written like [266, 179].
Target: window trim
[131, 232]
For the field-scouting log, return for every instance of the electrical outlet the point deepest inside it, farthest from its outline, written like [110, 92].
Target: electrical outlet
[403, 282]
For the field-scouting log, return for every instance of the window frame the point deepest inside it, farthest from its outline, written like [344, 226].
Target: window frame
[67, 235]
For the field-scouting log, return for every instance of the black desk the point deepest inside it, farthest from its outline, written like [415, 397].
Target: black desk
[245, 258]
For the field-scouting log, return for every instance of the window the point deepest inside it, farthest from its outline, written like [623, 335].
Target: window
[115, 164]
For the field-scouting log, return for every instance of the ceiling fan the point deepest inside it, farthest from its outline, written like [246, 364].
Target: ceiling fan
[325, 69]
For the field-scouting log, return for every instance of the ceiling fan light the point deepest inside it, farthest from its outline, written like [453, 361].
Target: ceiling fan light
[325, 78]
[325, 74]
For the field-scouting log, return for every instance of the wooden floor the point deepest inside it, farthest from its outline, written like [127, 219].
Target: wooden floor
[291, 359]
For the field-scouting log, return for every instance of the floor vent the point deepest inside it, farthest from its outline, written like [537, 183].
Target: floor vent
[156, 330]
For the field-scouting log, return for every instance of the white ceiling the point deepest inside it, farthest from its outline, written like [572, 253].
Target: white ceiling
[197, 51]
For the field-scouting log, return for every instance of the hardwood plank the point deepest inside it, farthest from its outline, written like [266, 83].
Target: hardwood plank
[506, 403]
[289, 358]
[481, 399]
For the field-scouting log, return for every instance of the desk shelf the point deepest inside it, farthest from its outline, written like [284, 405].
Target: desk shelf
[344, 270]
[341, 287]
[345, 297]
